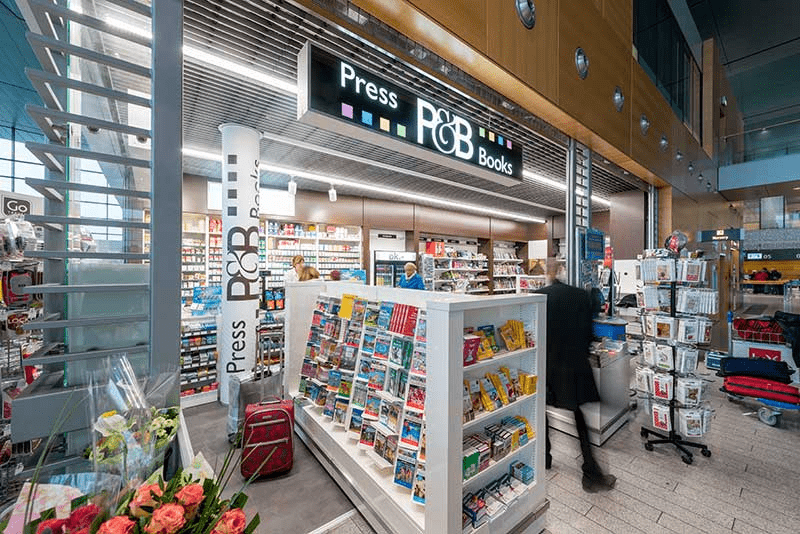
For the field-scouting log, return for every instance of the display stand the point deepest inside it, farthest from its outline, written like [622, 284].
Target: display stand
[663, 357]
[387, 506]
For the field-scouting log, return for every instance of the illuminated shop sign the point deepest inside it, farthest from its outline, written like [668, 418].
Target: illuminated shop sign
[770, 255]
[337, 95]
[733, 234]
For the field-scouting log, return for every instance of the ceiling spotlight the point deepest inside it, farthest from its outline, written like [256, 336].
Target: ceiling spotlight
[618, 99]
[691, 167]
[723, 101]
[581, 63]
[679, 155]
[708, 186]
[644, 124]
[700, 177]
[763, 130]
[332, 194]
[292, 187]
[664, 143]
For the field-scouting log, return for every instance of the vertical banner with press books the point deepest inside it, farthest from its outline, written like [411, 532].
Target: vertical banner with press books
[240, 281]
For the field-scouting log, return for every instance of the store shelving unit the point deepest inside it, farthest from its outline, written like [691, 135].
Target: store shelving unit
[193, 255]
[526, 283]
[466, 273]
[505, 268]
[198, 363]
[214, 255]
[324, 247]
[387, 506]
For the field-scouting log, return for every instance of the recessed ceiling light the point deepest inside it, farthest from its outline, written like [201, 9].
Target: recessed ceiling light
[796, 188]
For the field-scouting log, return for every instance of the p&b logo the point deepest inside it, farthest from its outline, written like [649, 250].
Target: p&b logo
[452, 135]
[16, 206]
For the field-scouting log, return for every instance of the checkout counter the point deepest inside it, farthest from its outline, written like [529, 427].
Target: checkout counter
[610, 363]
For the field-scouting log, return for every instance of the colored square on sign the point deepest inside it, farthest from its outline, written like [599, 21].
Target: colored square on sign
[499, 139]
[232, 211]
[508, 144]
[385, 124]
[401, 130]
[366, 117]
[491, 136]
[481, 132]
[347, 111]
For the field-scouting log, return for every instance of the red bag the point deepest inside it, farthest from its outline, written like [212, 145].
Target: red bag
[762, 388]
[14, 283]
[268, 427]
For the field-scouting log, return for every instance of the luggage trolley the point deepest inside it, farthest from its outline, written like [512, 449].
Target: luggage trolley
[762, 338]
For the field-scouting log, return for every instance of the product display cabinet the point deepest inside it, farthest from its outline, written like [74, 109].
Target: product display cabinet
[325, 247]
[369, 481]
[506, 266]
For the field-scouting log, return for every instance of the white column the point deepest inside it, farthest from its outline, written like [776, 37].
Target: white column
[236, 342]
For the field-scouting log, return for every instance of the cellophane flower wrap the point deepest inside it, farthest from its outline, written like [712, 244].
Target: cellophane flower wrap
[133, 422]
[127, 492]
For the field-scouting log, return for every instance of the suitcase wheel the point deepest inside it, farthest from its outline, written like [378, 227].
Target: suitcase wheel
[705, 452]
[768, 416]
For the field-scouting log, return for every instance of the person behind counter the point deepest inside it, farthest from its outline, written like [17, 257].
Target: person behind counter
[412, 279]
[308, 273]
[293, 274]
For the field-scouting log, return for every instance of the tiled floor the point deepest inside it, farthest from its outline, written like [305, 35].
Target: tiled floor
[750, 484]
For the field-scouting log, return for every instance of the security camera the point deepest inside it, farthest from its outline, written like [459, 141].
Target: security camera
[93, 129]
[141, 139]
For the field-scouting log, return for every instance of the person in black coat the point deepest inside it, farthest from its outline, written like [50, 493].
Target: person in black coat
[570, 382]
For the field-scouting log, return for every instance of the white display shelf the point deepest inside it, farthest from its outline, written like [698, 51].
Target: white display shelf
[501, 357]
[479, 290]
[484, 417]
[462, 269]
[507, 260]
[388, 507]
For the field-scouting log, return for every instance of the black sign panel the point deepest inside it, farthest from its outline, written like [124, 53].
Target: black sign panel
[735, 234]
[341, 90]
[16, 206]
[765, 255]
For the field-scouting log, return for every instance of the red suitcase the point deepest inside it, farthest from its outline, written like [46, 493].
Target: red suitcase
[267, 438]
[762, 388]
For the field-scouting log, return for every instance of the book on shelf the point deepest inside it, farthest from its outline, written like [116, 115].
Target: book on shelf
[400, 352]
[415, 399]
[364, 367]
[372, 407]
[489, 395]
[390, 415]
[359, 310]
[355, 422]
[385, 315]
[330, 402]
[421, 333]
[471, 344]
[349, 355]
[489, 333]
[418, 361]
[367, 436]
[467, 413]
[475, 395]
[383, 345]
[411, 431]
[371, 314]
[334, 380]
[404, 467]
[418, 489]
[358, 397]
[345, 384]
[340, 411]
[512, 376]
[377, 375]
[368, 346]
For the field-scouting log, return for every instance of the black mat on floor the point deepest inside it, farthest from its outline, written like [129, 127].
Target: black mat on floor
[755, 309]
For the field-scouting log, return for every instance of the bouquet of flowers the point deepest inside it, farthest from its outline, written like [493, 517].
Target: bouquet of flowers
[187, 504]
[155, 428]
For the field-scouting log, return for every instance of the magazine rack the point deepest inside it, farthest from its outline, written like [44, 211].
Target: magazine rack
[671, 436]
[387, 506]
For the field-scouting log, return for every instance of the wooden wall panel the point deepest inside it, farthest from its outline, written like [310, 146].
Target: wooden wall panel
[464, 18]
[589, 101]
[311, 206]
[601, 220]
[505, 230]
[195, 194]
[647, 100]
[619, 14]
[627, 225]
[664, 214]
[441, 222]
[531, 55]
[710, 97]
[386, 215]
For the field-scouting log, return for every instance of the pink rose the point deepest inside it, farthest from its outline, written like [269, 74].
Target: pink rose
[231, 522]
[190, 498]
[143, 503]
[56, 526]
[82, 517]
[117, 525]
[168, 519]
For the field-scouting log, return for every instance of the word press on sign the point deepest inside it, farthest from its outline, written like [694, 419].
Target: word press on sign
[240, 279]
[337, 95]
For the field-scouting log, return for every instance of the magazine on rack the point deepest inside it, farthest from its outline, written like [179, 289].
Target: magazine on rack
[416, 393]
[418, 490]
[411, 431]
[390, 415]
[355, 422]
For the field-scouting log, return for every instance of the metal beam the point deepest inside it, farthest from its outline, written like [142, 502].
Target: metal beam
[569, 222]
[166, 185]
